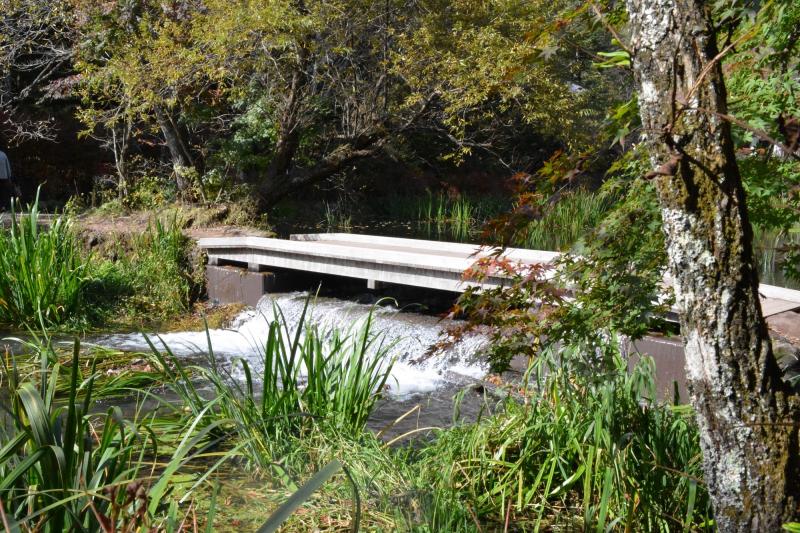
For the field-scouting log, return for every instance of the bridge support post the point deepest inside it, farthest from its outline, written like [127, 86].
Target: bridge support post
[228, 284]
[373, 284]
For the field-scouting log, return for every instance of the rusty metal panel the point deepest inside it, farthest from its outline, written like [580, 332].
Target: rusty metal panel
[667, 352]
[230, 284]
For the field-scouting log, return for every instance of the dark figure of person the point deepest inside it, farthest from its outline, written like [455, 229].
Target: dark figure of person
[6, 185]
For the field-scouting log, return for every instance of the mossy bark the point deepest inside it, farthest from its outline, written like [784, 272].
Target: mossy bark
[748, 416]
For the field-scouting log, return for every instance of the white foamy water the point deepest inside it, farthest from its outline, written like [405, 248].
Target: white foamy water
[415, 371]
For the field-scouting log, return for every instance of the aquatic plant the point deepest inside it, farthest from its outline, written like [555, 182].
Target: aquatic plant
[566, 221]
[336, 219]
[67, 466]
[63, 468]
[580, 452]
[43, 273]
[310, 378]
[113, 372]
[439, 209]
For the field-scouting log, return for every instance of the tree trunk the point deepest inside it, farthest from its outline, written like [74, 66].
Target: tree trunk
[748, 416]
[182, 163]
[290, 125]
[337, 160]
[120, 142]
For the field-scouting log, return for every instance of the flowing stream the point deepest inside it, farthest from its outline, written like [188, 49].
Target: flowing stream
[418, 377]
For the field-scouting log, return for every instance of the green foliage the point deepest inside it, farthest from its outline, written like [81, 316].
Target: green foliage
[773, 191]
[616, 271]
[152, 278]
[252, 130]
[62, 467]
[622, 119]
[44, 275]
[310, 378]
[500, 61]
[761, 76]
[613, 275]
[583, 451]
[773, 203]
[149, 192]
[617, 278]
[66, 465]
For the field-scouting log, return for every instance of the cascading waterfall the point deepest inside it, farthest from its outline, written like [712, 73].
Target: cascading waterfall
[412, 334]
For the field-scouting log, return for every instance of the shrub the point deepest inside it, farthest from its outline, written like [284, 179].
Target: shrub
[152, 279]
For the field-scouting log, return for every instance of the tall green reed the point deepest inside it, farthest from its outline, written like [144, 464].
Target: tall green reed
[566, 221]
[310, 378]
[581, 452]
[336, 219]
[43, 273]
[61, 467]
[66, 465]
[440, 209]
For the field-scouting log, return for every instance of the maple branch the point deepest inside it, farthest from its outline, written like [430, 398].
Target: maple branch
[717, 58]
[764, 136]
[609, 27]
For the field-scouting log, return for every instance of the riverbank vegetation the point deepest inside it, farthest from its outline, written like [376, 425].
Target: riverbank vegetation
[567, 449]
[52, 280]
[506, 123]
[44, 277]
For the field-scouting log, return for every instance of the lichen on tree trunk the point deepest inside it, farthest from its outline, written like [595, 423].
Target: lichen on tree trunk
[748, 416]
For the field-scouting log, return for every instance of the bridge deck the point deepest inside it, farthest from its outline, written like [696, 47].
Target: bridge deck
[430, 264]
[376, 259]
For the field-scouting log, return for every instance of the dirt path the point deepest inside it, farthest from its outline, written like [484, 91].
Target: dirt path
[196, 223]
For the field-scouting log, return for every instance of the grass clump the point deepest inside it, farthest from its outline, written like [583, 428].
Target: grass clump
[48, 281]
[67, 464]
[576, 449]
[580, 452]
[309, 379]
[61, 467]
[303, 405]
[43, 274]
[584, 444]
[113, 372]
[148, 279]
[458, 217]
[566, 221]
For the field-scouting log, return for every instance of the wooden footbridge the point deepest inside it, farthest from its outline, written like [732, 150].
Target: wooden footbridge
[379, 260]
